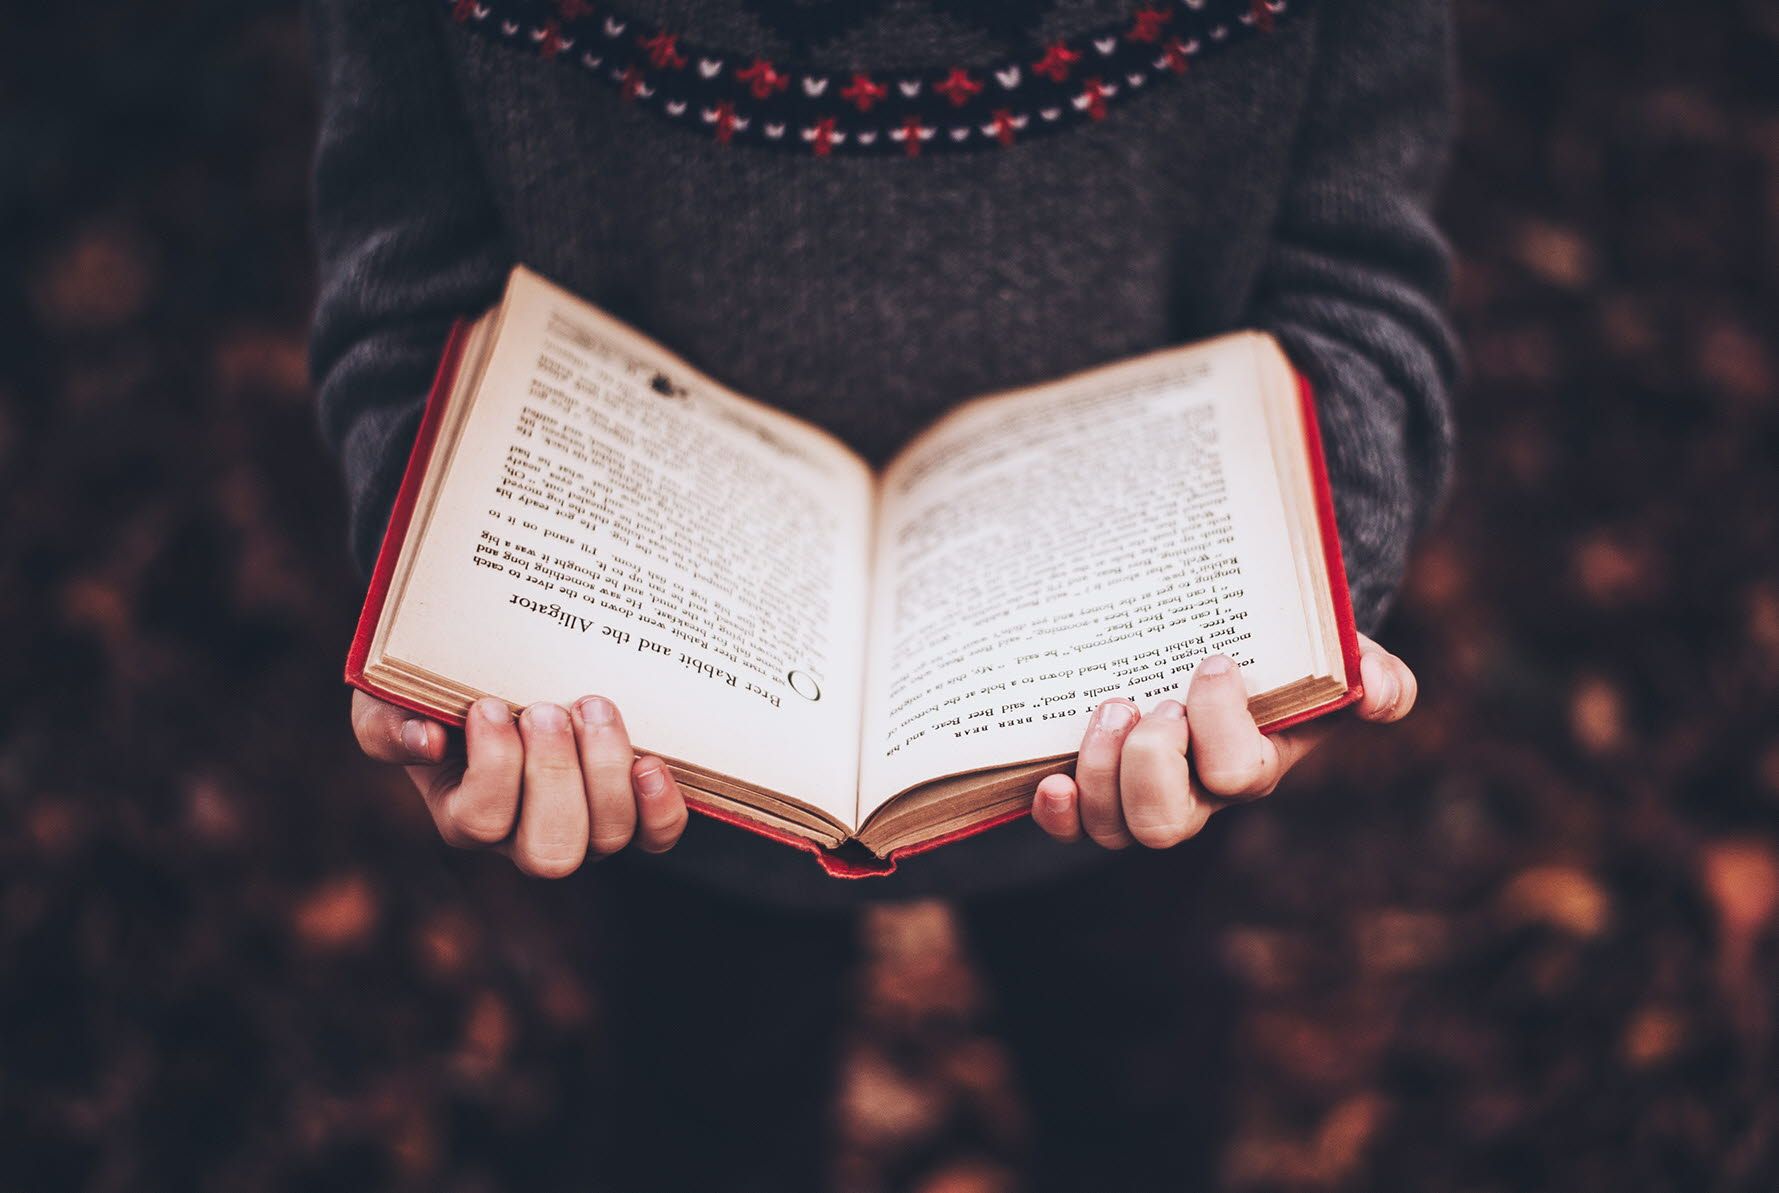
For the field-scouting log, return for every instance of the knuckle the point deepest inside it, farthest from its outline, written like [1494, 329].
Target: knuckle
[1224, 778]
[665, 835]
[438, 787]
[608, 749]
[1058, 827]
[1102, 818]
[1161, 834]
[1146, 751]
[608, 773]
[548, 742]
[551, 767]
[1100, 752]
[1095, 761]
[1096, 818]
[604, 844]
[551, 863]
[472, 827]
[1095, 785]
[1218, 777]
[498, 754]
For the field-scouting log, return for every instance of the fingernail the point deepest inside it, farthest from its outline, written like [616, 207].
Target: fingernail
[549, 717]
[1391, 692]
[652, 781]
[1169, 710]
[1217, 664]
[414, 737]
[495, 712]
[1116, 716]
[1056, 801]
[596, 711]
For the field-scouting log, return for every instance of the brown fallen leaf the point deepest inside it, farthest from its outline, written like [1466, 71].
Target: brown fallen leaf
[488, 1034]
[340, 913]
[1566, 898]
[1597, 715]
[1557, 254]
[969, 1176]
[1654, 1034]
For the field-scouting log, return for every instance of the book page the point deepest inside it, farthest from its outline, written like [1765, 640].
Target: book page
[614, 523]
[1040, 552]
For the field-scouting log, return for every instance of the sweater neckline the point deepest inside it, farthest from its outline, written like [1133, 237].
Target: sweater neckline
[801, 108]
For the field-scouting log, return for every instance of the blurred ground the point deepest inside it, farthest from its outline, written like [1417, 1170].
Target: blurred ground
[1528, 943]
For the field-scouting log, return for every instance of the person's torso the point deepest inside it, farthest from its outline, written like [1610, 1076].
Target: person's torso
[865, 211]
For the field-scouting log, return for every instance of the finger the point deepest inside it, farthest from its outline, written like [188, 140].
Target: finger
[480, 807]
[551, 840]
[660, 806]
[1231, 758]
[606, 759]
[1154, 782]
[390, 734]
[1390, 687]
[1055, 809]
[1096, 773]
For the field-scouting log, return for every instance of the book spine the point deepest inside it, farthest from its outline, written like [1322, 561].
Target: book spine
[399, 518]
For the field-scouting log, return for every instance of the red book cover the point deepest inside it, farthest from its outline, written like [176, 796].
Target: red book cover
[854, 862]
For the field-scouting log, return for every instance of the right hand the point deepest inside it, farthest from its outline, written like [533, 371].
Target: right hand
[546, 789]
[1156, 780]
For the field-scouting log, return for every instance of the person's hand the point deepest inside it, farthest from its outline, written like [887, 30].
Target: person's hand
[1156, 779]
[546, 789]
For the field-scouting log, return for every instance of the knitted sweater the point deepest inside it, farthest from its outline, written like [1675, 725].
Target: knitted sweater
[866, 210]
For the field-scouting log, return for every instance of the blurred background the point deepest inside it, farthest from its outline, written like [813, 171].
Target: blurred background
[1529, 943]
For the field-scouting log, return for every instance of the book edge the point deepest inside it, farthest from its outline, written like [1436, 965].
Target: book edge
[401, 517]
[1332, 560]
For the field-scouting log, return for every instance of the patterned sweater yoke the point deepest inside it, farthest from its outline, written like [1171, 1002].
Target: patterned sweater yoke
[805, 78]
[865, 211]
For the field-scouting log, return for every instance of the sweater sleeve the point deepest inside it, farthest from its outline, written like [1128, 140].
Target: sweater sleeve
[1356, 273]
[407, 238]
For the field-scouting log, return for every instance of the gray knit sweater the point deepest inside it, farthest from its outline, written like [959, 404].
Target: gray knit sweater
[866, 210]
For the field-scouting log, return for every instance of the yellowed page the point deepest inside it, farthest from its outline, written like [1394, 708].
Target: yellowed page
[1040, 552]
[614, 522]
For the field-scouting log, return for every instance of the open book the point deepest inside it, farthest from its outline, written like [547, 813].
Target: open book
[827, 654]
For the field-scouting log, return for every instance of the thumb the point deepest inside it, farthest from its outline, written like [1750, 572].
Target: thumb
[390, 734]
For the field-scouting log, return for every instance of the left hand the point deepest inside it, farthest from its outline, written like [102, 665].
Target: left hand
[1156, 779]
